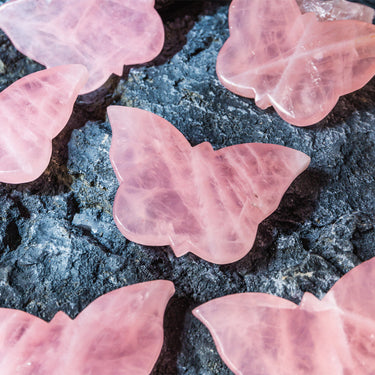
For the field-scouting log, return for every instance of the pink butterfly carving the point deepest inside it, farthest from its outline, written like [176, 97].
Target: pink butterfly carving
[119, 333]
[103, 35]
[194, 199]
[261, 334]
[33, 110]
[293, 62]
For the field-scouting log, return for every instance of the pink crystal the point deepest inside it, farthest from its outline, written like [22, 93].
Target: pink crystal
[260, 334]
[193, 198]
[33, 110]
[337, 10]
[103, 35]
[119, 333]
[293, 62]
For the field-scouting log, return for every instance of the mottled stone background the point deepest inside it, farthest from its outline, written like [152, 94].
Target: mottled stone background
[60, 248]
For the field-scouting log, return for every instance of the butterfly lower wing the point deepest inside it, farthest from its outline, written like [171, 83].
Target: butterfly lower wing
[293, 62]
[122, 330]
[33, 110]
[260, 334]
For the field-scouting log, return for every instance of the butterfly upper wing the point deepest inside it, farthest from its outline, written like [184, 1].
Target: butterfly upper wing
[119, 333]
[122, 330]
[293, 62]
[260, 334]
[194, 199]
[102, 35]
[33, 110]
[148, 155]
[238, 187]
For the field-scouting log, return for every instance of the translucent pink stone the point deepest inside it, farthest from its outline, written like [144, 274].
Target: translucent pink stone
[119, 333]
[337, 10]
[33, 110]
[293, 62]
[103, 35]
[194, 199]
[260, 334]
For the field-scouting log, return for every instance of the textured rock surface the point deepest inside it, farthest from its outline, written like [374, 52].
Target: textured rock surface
[292, 61]
[261, 334]
[60, 248]
[194, 199]
[33, 111]
[120, 330]
[104, 37]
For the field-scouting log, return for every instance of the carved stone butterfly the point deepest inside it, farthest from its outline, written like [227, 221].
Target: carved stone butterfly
[293, 62]
[119, 333]
[261, 334]
[194, 199]
[102, 35]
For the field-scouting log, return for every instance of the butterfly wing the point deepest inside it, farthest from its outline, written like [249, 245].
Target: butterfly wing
[194, 199]
[151, 159]
[260, 334]
[354, 296]
[120, 332]
[293, 62]
[101, 35]
[238, 187]
[23, 338]
[33, 110]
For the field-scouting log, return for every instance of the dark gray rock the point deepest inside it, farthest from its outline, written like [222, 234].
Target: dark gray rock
[59, 246]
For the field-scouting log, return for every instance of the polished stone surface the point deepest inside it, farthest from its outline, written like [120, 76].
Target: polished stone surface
[293, 62]
[103, 35]
[119, 333]
[33, 111]
[261, 334]
[337, 10]
[194, 199]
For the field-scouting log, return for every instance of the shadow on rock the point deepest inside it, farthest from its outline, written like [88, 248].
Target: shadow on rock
[179, 18]
[173, 329]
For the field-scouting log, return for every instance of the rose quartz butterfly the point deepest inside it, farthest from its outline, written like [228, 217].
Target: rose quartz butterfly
[119, 333]
[194, 199]
[103, 35]
[261, 334]
[293, 62]
[33, 110]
